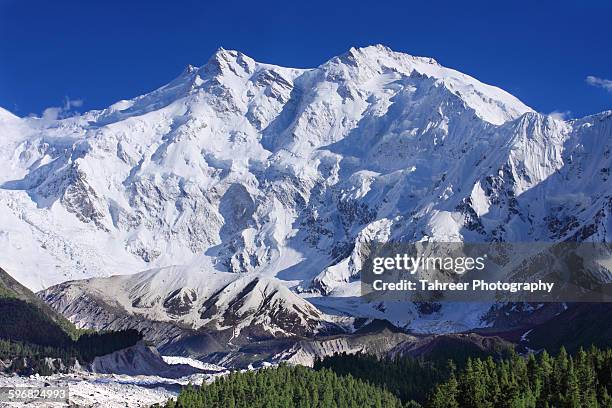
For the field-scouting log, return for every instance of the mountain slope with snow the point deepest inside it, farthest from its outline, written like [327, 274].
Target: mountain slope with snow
[241, 185]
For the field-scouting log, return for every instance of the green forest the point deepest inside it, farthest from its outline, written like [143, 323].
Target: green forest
[286, 386]
[407, 378]
[581, 380]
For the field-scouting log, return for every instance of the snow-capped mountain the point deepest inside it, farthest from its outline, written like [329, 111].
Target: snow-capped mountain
[241, 194]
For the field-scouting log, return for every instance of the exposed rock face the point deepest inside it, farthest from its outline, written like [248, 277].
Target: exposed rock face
[139, 360]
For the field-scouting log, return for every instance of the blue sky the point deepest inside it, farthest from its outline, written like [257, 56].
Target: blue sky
[99, 52]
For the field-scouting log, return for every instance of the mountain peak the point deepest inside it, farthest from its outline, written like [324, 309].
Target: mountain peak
[225, 54]
[378, 50]
[239, 184]
[361, 65]
[223, 61]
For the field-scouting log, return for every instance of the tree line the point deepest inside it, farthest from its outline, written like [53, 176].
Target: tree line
[343, 381]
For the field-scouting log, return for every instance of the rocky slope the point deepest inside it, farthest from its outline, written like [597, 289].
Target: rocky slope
[246, 309]
[140, 359]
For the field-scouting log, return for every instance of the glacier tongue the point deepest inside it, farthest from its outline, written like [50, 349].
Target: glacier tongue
[242, 176]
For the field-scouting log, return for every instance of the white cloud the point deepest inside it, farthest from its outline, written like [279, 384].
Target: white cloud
[52, 113]
[58, 112]
[599, 82]
[561, 115]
